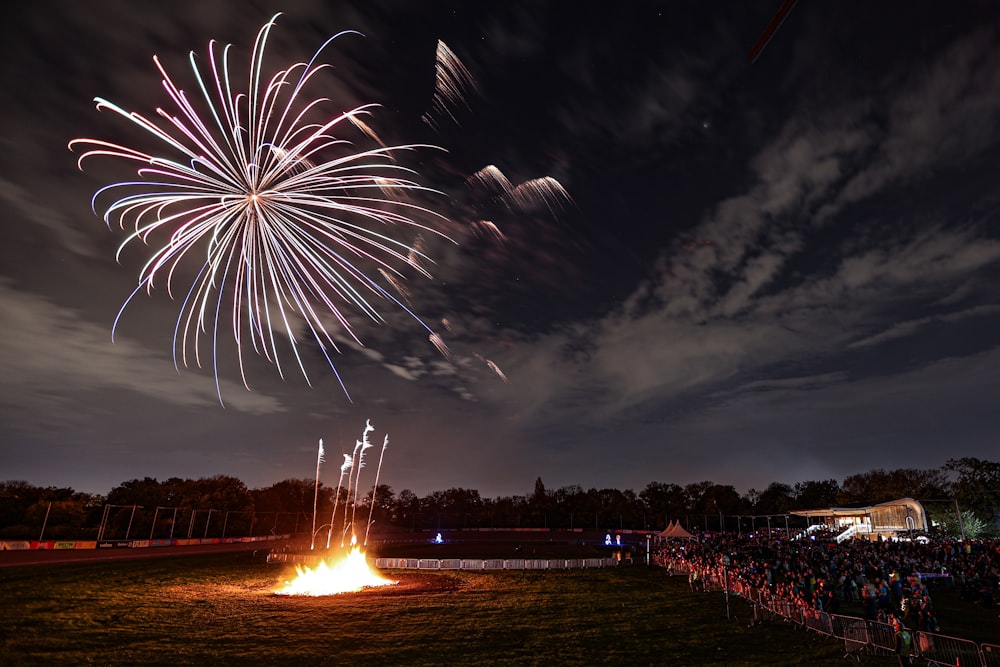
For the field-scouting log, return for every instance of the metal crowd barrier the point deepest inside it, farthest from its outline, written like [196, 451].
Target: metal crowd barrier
[818, 621]
[854, 632]
[882, 636]
[991, 655]
[943, 650]
[858, 634]
[862, 636]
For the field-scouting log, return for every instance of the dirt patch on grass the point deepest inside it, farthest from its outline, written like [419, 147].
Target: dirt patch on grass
[416, 583]
[407, 583]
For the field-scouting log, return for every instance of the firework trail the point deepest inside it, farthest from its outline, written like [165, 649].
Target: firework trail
[439, 343]
[378, 471]
[320, 457]
[360, 448]
[290, 222]
[537, 192]
[344, 468]
[492, 181]
[545, 191]
[350, 499]
[452, 82]
[496, 369]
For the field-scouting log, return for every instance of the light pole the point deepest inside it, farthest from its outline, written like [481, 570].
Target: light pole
[961, 526]
[725, 582]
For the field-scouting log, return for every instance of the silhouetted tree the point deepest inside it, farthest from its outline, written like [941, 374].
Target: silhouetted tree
[816, 494]
[977, 486]
[664, 502]
[879, 486]
[406, 509]
[777, 498]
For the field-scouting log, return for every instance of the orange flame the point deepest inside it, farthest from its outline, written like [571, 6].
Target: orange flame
[347, 575]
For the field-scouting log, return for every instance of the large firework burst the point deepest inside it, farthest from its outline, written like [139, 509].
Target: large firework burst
[290, 220]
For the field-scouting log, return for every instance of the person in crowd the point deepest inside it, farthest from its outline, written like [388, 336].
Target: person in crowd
[904, 644]
[819, 574]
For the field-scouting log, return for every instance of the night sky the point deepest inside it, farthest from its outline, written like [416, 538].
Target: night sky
[779, 270]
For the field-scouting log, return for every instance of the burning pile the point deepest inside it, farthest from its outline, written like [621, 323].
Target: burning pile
[351, 572]
[347, 575]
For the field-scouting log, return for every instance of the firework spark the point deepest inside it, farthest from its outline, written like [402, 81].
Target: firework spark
[292, 222]
[545, 191]
[345, 468]
[453, 82]
[496, 369]
[492, 184]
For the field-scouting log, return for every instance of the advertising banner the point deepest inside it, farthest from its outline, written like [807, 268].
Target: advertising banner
[15, 545]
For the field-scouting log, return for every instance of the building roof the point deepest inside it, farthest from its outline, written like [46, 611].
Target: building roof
[910, 503]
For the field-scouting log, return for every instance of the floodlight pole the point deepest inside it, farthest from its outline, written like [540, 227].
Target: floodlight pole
[725, 584]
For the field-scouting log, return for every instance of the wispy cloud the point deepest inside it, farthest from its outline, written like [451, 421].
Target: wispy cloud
[51, 358]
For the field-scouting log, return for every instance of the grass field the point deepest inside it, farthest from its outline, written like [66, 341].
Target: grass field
[221, 610]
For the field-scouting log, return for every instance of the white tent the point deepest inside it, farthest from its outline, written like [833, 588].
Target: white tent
[675, 530]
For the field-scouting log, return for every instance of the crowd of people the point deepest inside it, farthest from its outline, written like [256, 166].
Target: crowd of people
[890, 580]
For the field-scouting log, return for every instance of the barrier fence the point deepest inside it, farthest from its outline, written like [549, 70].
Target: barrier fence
[492, 564]
[860, 636]
[45, 545]
[991, 654]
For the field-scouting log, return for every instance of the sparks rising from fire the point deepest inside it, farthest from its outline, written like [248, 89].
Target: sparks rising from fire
[347, 575]
[350, 572]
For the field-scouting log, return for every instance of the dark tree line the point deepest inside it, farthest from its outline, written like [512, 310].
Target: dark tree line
[222, 506]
